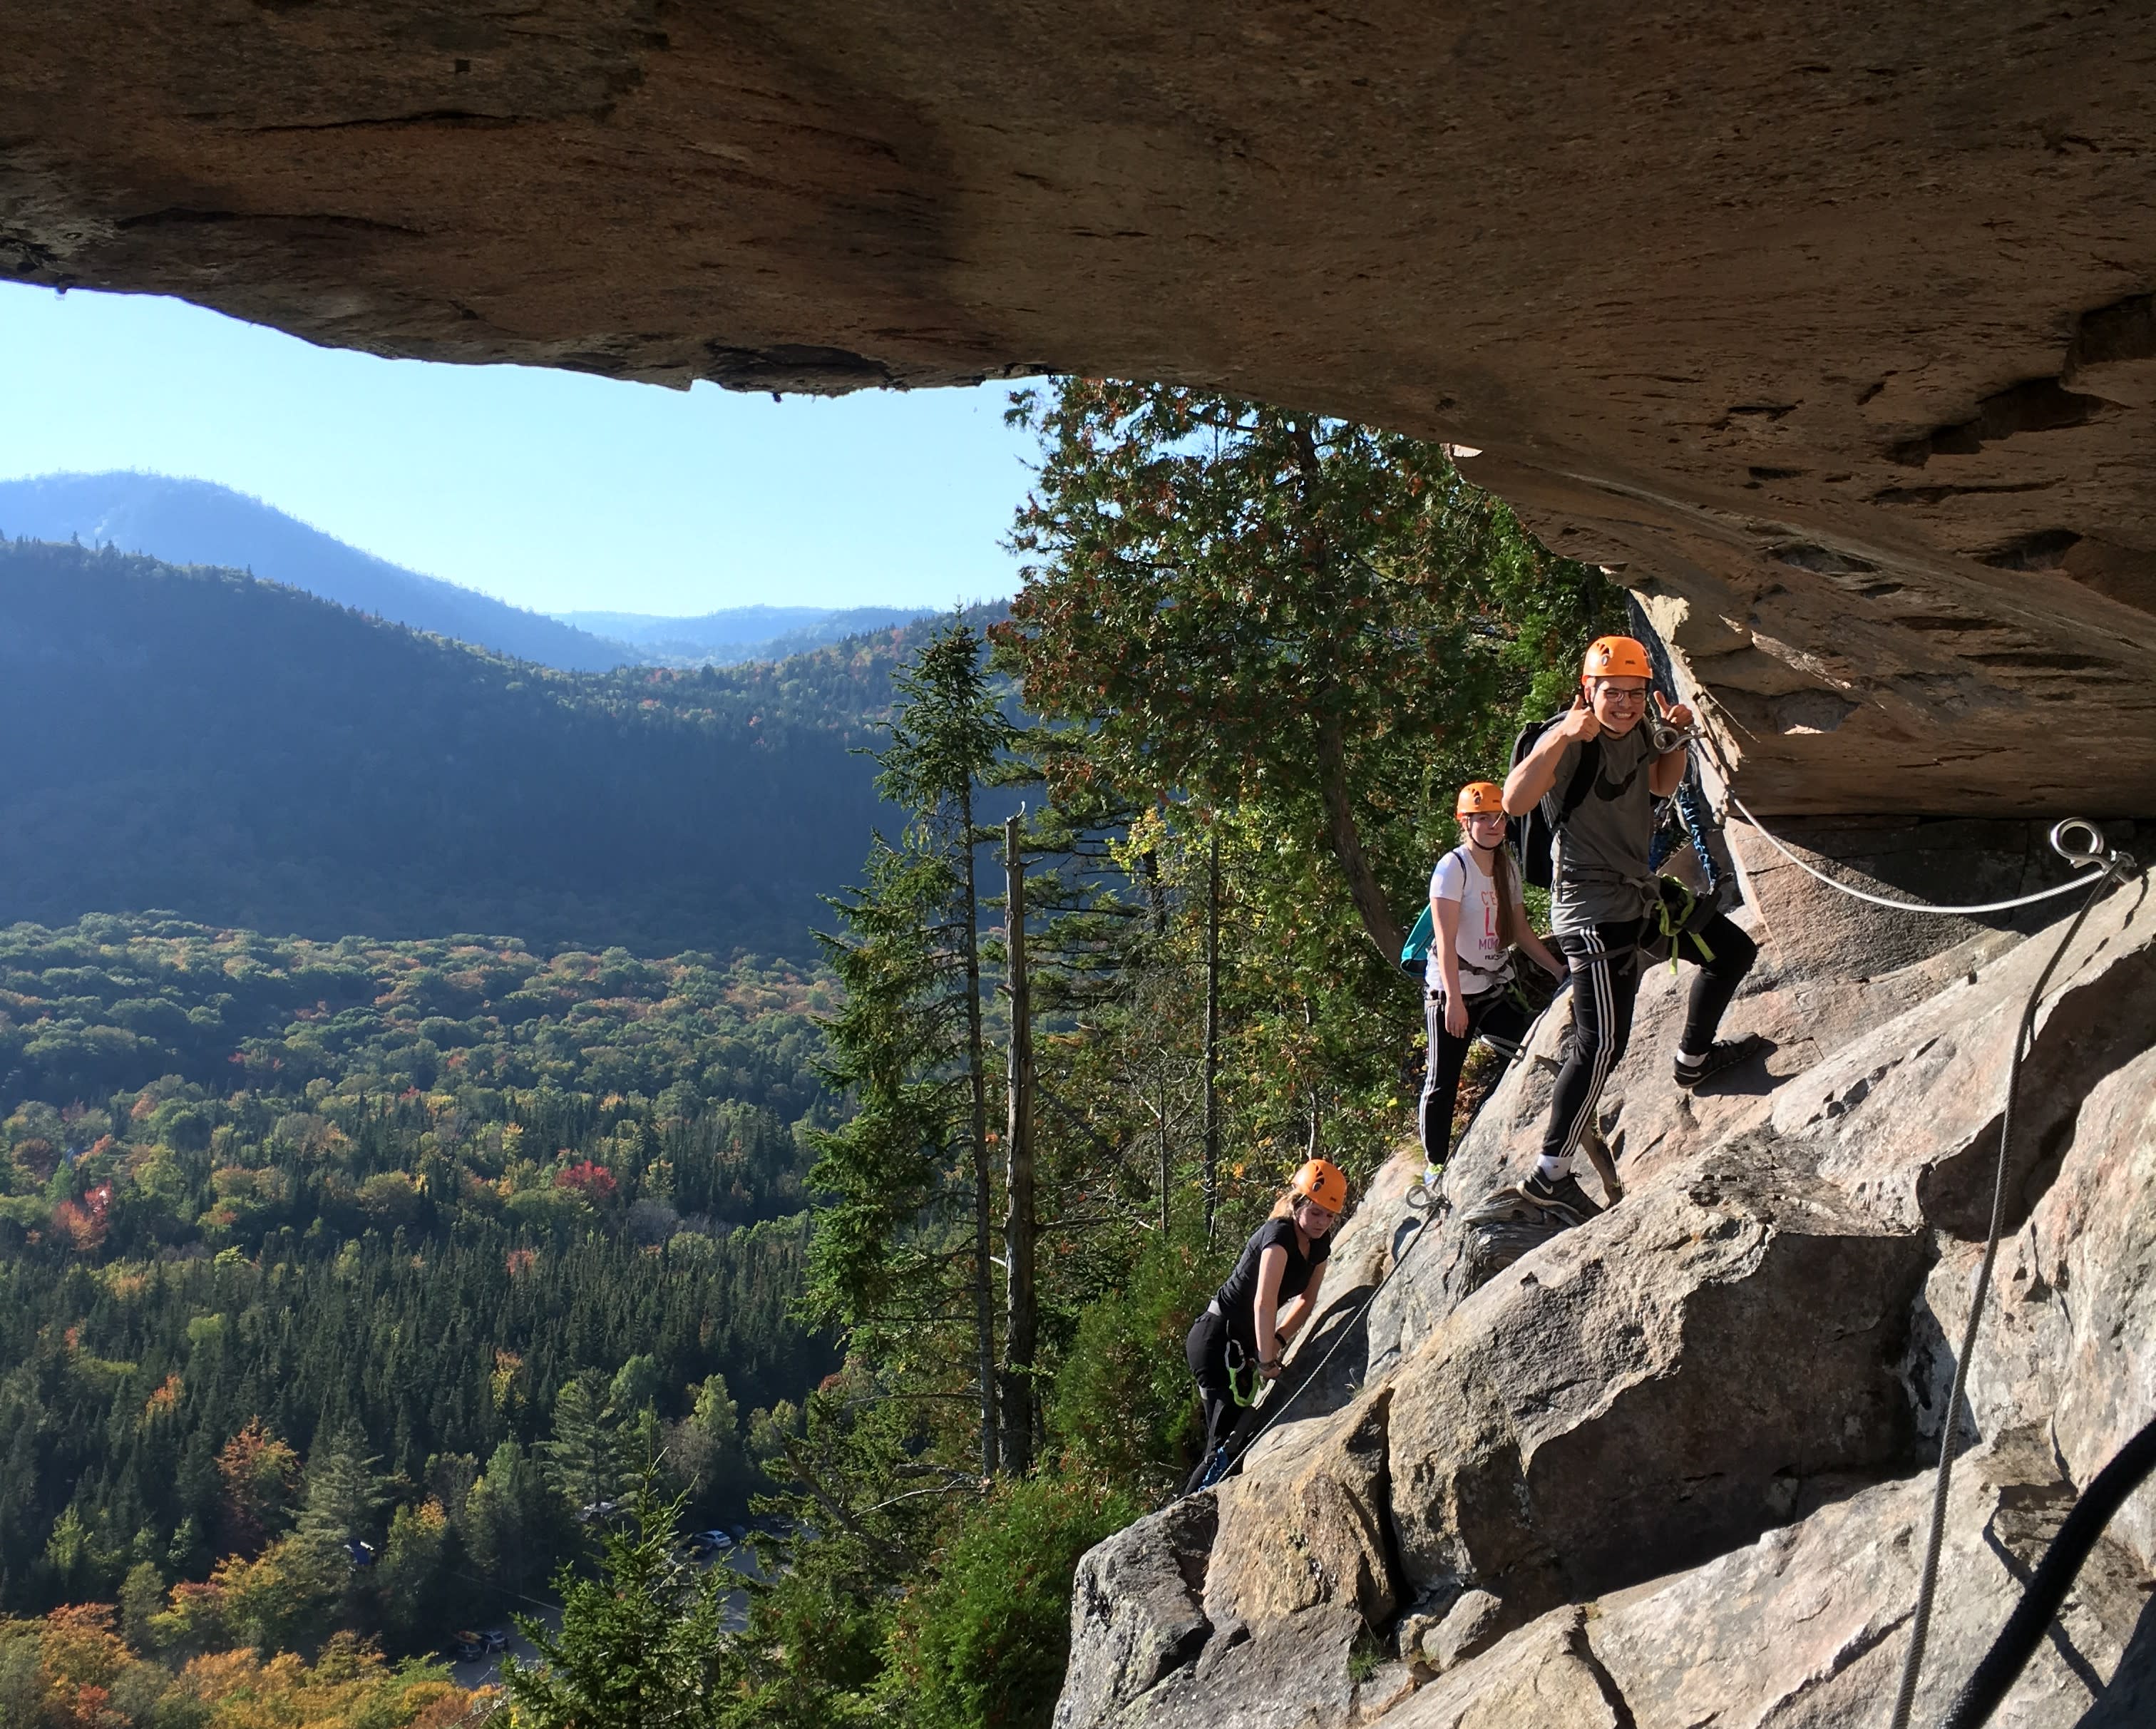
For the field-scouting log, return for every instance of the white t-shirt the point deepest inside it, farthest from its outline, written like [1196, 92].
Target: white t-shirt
[1483, 961]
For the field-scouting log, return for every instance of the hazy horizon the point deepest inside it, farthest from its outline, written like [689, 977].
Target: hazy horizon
[550, 490]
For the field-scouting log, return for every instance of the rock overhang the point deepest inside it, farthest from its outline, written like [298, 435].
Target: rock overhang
[1832, 328]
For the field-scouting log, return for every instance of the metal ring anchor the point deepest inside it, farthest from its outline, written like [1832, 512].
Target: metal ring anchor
[2097, 852]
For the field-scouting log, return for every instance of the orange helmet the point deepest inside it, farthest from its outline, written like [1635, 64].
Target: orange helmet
[1480, 798]
[1616, 657]
[1323, 1183]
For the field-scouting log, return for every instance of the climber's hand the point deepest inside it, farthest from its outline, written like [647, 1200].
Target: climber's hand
[1579, 724]
[1677, 713]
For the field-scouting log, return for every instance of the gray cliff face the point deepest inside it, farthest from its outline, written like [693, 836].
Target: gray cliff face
[1670, 1469]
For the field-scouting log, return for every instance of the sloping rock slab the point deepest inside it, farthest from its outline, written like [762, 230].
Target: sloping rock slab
[1909, 1114]
[1310, 1529]
[1652, 1124]
[1291, 1674]
[1654, 1386]
[2070, 1343]
[1808, 1627]
[1258, 1631]
[1545, 1677]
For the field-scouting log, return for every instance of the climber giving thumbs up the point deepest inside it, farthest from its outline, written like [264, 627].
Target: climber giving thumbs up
[1237, 1342]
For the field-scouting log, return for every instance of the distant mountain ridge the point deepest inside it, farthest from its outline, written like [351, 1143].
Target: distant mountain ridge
[735, 634]
[200, 522]
[247, 755]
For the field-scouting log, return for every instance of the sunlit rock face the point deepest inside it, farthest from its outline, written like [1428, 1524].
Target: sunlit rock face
[1831, 326]
[1673, 1467]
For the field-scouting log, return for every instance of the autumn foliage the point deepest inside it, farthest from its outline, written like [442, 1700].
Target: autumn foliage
[593, 1182]
[73, 1671]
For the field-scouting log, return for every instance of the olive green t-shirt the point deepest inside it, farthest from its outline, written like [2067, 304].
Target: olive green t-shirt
[1600, 872]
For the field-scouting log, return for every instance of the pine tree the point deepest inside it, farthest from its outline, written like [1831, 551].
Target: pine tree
[582, 1458]
[640, 1644]
[890, 1259]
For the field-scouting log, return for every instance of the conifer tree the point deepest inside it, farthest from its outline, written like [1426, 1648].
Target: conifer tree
[582, 1456]
[908, 1044]
[639, 1645]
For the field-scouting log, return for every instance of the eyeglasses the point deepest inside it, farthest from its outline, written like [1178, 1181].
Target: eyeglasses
[1614, 695]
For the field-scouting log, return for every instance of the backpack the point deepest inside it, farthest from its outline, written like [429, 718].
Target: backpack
[1532, 836]
[1416, 949]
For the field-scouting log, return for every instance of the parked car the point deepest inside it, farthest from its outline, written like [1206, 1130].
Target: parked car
[710, 1542]
[465, 1648]
[494, 1639]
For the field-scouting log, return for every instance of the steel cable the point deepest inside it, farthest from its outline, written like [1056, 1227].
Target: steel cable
[1927, 1581]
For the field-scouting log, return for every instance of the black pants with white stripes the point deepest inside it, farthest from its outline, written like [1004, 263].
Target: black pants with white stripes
[1493, 1016]
[1605, 984]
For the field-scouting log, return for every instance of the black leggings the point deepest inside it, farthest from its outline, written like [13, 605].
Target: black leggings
[1207, 1349]
[1493, 1015]
[1605, 984]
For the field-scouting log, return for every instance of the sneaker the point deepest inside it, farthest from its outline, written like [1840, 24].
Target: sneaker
[1723, 1054]
[1565, 1195]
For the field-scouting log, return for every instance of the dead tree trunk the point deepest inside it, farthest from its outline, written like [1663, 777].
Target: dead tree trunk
[1021, 1313]
[984, 1298]
[1346, 841]
[1212, 1171]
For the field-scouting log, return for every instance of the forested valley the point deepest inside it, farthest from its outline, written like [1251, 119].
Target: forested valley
[511, 1264]
[399, 1253]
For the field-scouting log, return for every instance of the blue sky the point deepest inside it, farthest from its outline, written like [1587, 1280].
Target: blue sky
[550, 489]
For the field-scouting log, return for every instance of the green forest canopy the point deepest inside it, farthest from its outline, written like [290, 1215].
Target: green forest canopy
[398, 1203]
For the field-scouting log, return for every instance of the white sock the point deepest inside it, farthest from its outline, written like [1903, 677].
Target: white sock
[1552, 1167]
[1691, 1058]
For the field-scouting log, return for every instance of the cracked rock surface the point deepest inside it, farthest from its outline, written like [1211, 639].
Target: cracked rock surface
[1671, 1468]
[1835, 326]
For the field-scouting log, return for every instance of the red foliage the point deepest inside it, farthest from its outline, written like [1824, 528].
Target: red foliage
[595, 1182]
[80, 1228]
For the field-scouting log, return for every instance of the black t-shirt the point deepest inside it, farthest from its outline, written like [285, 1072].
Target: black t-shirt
[1238, 1297]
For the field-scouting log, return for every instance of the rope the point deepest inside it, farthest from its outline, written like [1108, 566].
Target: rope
[1927, 1582]
[2054, 1577]
[1695, 827]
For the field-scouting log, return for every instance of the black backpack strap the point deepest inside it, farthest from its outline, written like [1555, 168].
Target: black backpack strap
[1583, 779]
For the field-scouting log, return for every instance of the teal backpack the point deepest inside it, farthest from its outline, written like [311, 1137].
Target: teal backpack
[1415, 950]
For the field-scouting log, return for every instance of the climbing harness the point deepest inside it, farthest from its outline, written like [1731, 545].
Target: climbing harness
[2114, 864]
[1223, 1459]
[1678, 913]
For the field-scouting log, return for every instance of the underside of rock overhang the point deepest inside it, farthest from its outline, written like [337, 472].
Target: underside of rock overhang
[1831, 326]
